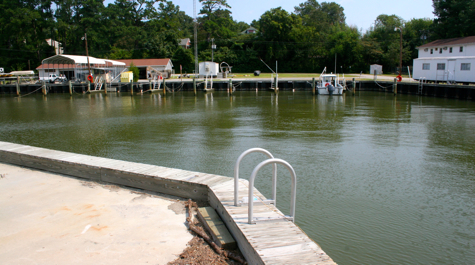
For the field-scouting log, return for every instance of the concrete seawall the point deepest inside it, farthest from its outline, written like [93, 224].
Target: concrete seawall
[271, 242]
[462, 92]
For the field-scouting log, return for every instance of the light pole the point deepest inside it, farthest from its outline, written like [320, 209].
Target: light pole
[400, 50]
[87, 53]
[213, 47]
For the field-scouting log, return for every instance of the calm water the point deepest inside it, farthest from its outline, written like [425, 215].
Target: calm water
[381, 180]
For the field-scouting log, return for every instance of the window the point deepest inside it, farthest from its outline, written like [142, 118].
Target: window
[461, 48]
[440, 50]
[441, 66]
[465, 67]
[431, 51]
[450, 50]
[426, 66]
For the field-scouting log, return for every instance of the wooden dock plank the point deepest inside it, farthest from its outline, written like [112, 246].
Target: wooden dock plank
[267, 242]
[213, 223]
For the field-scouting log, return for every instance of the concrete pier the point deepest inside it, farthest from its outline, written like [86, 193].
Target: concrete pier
[48, 218]
[274, 241]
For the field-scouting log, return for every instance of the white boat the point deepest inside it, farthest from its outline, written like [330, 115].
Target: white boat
[329, 84]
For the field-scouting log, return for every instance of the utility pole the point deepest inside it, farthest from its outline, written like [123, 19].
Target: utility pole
[335, 63]
[213, 47]
[400, 50]
[195, 22]
[87, 53]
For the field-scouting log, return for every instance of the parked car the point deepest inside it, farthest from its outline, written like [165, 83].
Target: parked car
[53, 78]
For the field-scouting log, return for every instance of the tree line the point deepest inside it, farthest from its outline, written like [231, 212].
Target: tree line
[305, 40]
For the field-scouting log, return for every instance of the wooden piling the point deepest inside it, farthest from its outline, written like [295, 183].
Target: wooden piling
[194, 85]
[70, 87]
[354, 86]
[105, 86]
[164, 87]
[395, 86]
[313, 86]
[131, 88]
[230, 86]
[276, 89]
[88, 87]
[17, 85]
[43, 89]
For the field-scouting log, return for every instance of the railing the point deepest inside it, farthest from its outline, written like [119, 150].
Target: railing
[274, 162]
[293, 192]
[236, 175]
[421, 85]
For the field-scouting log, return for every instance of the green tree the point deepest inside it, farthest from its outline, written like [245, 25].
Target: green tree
[416, 32]
[455, 18]
[24, 27]
[386, 41]
[217, 21]
[184, 58]
[135, 70]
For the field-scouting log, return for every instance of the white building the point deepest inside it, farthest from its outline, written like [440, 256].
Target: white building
[147, 66]
[449, 60]
[58, 48]
[75, 67]
[209, 69]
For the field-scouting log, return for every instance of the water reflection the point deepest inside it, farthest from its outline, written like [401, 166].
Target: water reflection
[381, 179]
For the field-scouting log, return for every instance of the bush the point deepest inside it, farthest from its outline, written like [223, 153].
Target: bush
[134, 69]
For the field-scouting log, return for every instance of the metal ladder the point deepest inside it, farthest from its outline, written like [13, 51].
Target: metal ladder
[250, 203]
[118, 76]
[421, 85]
[98, 83]
[156, 84]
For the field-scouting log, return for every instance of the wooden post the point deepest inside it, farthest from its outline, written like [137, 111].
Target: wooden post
[150, 85]
[131, 88]
[276, 89]
[17, 85]
[194, 85]
[313, 86]
[230, 85]
[43, 88]
[395, 86]
[88, 87]
[354, 85]
[70, 88]
[164, 87]
[105, 87]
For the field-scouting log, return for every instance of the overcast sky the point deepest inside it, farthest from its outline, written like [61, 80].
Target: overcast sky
[360, 13]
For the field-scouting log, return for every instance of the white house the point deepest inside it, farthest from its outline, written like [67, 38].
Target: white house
[58, 48]
[185, 43]
[147, 66]
[450, 60]
[250, 30]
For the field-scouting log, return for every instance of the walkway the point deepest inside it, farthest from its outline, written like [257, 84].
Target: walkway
[49, 218]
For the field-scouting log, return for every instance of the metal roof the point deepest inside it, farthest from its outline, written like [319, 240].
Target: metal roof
[147, 62]
[448, 42]
[446, 58]
[77, 59]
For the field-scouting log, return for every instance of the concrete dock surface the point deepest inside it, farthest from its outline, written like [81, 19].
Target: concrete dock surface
[49, 218]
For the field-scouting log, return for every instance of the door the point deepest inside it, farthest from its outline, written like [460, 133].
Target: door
[451, 70]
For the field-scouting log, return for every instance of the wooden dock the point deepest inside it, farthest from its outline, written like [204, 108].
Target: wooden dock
[267, 242]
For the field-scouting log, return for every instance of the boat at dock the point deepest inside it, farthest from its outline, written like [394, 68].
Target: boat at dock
[329, 84]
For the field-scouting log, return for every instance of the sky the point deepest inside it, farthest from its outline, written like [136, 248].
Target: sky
[360, 13]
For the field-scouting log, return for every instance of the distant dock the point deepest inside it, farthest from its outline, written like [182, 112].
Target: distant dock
[268, 242]
[462, 92]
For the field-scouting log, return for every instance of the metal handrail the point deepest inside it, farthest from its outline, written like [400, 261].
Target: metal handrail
[236, 174]
[293, 194]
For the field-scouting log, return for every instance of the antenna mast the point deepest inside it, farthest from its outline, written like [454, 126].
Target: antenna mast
[195, 21]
